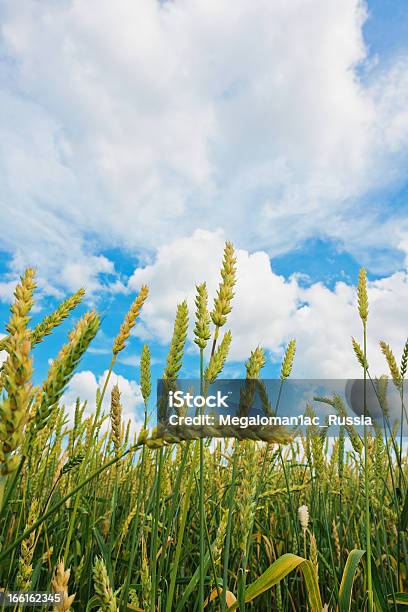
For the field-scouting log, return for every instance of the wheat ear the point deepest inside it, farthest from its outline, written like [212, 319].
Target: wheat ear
[116, 419]
[16, 375]
[59, 584]
[130, 320]
[178, 341]
[62, 368]
[103, 589]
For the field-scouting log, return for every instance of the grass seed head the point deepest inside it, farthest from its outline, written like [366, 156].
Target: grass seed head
[404, 360]
[130, 320]
[255, 363]
[59, 584]
[303, 515]
[16, 375]
[359, 353]
[202, 325]
[392, 363]
[23, 303]
[218, 359]
[56, 318]
[116, 419]
[314, 553]
[103, 589]
[225, 293]
[178, 341]
[362, 297]
[62, 368]
[145, 376]
[288, 360]
[25, 568]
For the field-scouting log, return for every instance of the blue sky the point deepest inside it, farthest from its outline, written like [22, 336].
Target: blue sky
[137, 138]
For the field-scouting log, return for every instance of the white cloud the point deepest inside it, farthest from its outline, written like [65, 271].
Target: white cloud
[7, 291]
[269, 310]
[85, 384]
[122, 125]
[3, 354]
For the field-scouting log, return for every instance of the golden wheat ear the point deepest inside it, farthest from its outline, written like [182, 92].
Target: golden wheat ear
[130, 321]
[59, 584]
[16, 375]
[116, 420]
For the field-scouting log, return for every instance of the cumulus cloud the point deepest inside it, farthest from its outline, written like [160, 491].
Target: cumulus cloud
[85, 384]
[268, 309]
[3, 354]
[123, 123]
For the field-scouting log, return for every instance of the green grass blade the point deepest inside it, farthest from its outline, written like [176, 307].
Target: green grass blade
[346, 586]
[277, 572]
[192, 584]
[404, 514]
[180, 536]
[379, 597]
[400, 598]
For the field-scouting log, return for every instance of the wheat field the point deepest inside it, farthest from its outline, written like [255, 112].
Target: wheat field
[118, 521]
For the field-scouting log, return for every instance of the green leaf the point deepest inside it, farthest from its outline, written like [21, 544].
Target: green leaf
[379, 597]
[241, 589]
[346, 586]
[92, 603]
[404, 514]
[277, 572]
[400, 598]
[104, 552]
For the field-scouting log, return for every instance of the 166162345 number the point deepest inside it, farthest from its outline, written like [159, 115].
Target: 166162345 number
[30, 598]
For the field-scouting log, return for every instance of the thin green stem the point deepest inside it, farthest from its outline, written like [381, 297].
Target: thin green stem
[105, 384]
[227, 544]
[153, 555]
[217, 331]
[201, 499]
[370, 600]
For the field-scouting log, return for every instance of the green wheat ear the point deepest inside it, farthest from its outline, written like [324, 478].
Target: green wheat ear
[62, 368]
[359, 354]
[178, 341]
[255, 363]
[362, 295]
[56, 318]
[25, 567]
[222, 302]
[392, 363]
[404, 360]
[51, 321]
[218, 359]
[145, 376]
[202, 326]
[103, 589]
[287, 363]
